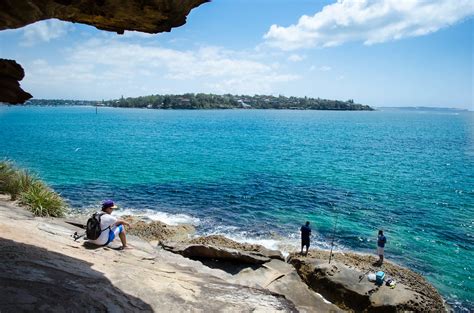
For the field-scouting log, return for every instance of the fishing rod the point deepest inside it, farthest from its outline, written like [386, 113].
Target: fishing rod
[333, 236]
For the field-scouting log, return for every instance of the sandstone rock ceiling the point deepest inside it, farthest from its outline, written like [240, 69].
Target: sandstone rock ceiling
[150, 16]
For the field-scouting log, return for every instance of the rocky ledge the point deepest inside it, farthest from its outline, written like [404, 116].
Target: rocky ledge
[156, 231]
[221, 248]
[10, 75]
[178, 239]
[150, 16]
[345, 283]
[46, 270]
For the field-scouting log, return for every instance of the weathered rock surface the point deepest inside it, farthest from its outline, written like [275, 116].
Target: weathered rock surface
[150, 16]
[210, 252]
[282, 278]
[344, 282]
[44, 270]
[221, 241]
[10, 75]
[158, 231]
[221, 248]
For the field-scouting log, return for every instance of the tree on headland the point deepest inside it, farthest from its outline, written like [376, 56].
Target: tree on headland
[226, 101]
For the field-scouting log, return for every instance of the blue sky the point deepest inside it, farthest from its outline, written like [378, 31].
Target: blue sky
[380, 53]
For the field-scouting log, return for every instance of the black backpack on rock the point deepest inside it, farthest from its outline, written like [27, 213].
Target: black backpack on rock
[93, 229]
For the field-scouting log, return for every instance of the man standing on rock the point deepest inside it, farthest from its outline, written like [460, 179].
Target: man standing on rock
[381, 240]
[305, 234]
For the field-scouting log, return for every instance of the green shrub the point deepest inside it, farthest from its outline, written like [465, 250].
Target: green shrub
[7, 175]
[42, 200]
[30, 191]
[18, 182]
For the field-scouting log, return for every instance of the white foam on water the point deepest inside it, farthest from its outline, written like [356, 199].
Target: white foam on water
[168, 218]
[267, 243]
[284, 244]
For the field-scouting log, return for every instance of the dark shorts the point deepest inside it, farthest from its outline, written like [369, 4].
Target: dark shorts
[305, 242]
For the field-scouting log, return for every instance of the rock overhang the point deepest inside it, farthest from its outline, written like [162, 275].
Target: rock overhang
[148, 16]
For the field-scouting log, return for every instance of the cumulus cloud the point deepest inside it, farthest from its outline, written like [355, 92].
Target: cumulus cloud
[295, 58]
[126, 65]
[369, 21]
[43, 31]
[325, 68]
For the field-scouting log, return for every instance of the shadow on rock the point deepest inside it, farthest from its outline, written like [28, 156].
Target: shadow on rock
[232, 268]
[33, 279]
[90, 246]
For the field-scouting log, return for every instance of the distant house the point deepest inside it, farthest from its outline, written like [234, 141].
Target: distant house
[243, 104]
[183, 100]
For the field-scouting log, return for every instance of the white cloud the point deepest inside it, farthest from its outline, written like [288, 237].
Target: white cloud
[325, 68]
[43, 31]
[129, 68]
[295, 58]
[369, 21]
[137, 34]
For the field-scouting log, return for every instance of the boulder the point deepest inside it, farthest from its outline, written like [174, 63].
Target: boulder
[158, 231]
[221, 241]
[281, 278]
[10, 75]
[220, 248]
[211, 252]
[344, 282]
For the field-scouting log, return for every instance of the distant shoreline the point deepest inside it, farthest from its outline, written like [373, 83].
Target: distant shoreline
[180, 109]
[91, 103]
[211, 101]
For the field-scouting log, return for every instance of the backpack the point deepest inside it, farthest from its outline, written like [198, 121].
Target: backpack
[93, 229]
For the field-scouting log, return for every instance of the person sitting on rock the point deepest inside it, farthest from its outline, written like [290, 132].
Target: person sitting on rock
[305, 234]
[110, 226]
[381, 240]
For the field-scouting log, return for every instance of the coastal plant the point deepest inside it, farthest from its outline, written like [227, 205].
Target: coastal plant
[42, 200]
[30, 191]
[19, 181]
[7, 178]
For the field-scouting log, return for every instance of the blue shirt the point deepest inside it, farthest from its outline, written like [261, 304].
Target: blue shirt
[381, 241]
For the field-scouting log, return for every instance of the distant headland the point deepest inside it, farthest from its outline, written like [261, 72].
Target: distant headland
[191, 101]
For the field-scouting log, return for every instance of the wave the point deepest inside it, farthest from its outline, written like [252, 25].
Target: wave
[168, 218]
[285, 243]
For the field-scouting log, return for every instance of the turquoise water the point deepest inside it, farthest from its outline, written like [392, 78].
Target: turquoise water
[258, 175]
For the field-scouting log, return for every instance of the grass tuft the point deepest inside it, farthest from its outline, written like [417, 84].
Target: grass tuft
[7, 179]
[30, 191]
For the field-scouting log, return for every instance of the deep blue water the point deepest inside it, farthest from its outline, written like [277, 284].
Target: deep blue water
[258, 175]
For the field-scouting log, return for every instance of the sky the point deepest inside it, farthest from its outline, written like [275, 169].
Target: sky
[380, 53]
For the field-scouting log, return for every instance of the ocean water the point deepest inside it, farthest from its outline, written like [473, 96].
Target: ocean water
[258, 175]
